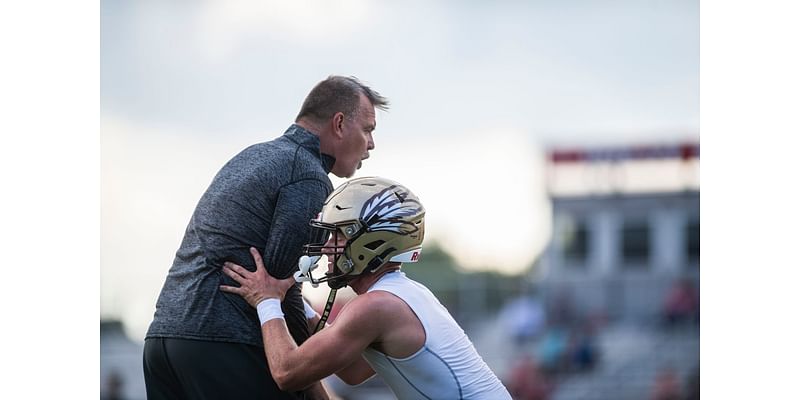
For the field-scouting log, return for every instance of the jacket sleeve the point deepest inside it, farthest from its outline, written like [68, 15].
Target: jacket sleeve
[297, 203]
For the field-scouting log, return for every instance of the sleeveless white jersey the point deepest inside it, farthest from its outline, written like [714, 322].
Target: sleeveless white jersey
[447, 366]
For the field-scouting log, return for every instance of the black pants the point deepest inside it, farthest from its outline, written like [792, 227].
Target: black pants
[177, 369]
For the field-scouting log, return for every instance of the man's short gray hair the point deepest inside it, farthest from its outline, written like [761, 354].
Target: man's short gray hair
[338, 94]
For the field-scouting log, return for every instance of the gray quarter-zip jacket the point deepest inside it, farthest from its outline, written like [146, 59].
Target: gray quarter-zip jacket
[264, 197]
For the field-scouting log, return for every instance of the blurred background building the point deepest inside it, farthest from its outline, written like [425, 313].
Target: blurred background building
[620, 277]
[623, 238]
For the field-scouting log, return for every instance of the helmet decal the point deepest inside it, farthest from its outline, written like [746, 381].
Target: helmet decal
[384, 211]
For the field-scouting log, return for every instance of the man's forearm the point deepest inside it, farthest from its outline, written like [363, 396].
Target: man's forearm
[316, 391]
[278, 347]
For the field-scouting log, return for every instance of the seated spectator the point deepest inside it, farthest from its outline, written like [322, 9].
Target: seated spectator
[552, 350]
[113, 387]
[524, 317]
[682, 304]
[526, 382]
[583, 351]
[666, 386]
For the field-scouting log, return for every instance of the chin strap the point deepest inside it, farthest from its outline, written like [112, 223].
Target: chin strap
[305, 265]
[325, 313]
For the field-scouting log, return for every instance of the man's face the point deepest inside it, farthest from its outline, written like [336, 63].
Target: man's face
[356, 139]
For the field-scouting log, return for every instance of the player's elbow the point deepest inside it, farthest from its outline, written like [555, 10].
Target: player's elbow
[287, 382]
[284, 384]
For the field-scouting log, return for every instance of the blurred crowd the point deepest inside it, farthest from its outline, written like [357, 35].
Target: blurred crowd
[553, 343]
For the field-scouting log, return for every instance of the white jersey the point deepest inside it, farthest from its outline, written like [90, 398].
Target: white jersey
[447, 366]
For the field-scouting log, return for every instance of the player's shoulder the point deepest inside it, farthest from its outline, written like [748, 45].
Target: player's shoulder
[373, 304]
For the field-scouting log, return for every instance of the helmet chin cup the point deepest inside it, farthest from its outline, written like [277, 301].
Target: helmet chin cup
[299, 277]
[305, 265]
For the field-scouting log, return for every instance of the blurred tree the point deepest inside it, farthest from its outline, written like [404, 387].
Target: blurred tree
[437, 270]
[467, 294]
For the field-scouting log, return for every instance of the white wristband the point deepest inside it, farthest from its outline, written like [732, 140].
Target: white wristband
[310, 312]
[269, 309]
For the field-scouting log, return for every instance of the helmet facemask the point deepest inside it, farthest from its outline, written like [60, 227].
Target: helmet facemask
[334, 243]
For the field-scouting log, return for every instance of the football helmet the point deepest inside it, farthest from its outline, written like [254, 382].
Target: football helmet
[372, 221]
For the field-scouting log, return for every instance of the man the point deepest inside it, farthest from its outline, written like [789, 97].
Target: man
[205, 344]
[394, 327]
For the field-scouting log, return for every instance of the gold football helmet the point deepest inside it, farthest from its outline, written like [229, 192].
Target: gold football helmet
[374, 221]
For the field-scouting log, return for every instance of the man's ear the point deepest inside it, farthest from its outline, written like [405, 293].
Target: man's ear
[338, 125]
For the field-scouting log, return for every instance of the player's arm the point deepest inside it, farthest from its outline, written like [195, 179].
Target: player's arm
[357, 372]
[353, 374]
[336, 348]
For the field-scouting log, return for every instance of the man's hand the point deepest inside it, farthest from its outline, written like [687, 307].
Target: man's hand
[255, 286]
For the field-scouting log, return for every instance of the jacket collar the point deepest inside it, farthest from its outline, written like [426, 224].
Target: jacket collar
[310, 142]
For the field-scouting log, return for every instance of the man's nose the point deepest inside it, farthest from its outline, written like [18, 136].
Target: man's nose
[370, 143]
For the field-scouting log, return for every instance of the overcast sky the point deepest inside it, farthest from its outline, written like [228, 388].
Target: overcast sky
[478, 90]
